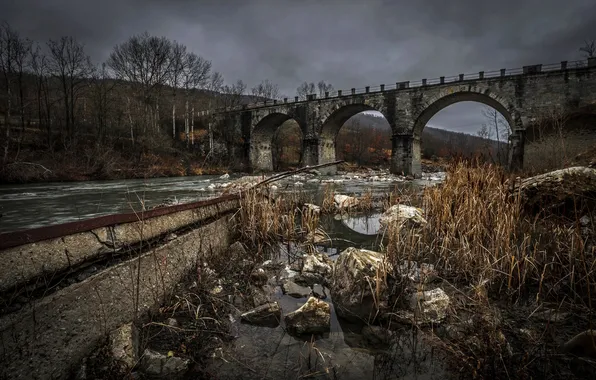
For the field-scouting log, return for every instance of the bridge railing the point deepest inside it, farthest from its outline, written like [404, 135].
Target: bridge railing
[529, 70]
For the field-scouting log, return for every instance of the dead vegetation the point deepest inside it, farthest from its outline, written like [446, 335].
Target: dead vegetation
[502, 266]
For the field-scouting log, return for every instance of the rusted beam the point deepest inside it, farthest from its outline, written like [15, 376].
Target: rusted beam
[16, 238]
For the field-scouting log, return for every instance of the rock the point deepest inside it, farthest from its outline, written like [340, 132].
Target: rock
[318, 291]
[294, 290]
[124, 345]
[583, 344]
[377, 335]
[354, 275]
[423, 274]
[268, 314]
[259, 277]
[297, 264]
[429, 306]
[237, 250]
[550, 191]
[312, 207]
[317, 236]
[172, 322]
[317, 263]
[225, 176]
[313, 317]
[155, 364]
[343, 201]
[315, 172]
[550, 315]
[402, 216]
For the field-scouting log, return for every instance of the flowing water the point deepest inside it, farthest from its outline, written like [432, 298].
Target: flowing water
[37, 205]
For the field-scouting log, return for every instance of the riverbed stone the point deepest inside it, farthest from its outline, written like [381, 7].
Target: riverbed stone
[317, 263]
[319, 291]
[124, 345]
[342, 202]
[583, 344]
[551, 191]
[314, 317]
[157, 365]
[429, 306]
[402, 216]
[292, 289]
[268, 314]
[354, 279]
[259, 277]
[417, 273]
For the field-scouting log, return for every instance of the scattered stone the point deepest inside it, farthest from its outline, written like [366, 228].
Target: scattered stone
[402, 216]
[377, 336]
[429, 306]
[312, 207]
[550, 191]
[124, 345]
[225, 176]
[294, 290]
[297, 264]
[259, 277]
[313, 317]
[237, 250]
[425, 273]
[583, 344]
[268, 314]
[550, 315]
[354, 279]
[317, 263]
[172, 322]
[343, 201]
[318, 291]
[158, 365]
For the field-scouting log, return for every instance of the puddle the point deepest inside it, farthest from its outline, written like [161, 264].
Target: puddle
[346, 352]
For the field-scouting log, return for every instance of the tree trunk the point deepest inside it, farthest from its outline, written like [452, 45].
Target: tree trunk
[132, 136]
[192, 127]
[7, 123]
[174, 119]
[186, 122]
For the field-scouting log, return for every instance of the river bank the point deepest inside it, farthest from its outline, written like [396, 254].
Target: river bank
[466, 280]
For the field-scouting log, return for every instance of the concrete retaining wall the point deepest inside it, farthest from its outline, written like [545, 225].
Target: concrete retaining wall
[49, 335]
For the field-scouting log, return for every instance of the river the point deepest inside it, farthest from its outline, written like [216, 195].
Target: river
[36, 205]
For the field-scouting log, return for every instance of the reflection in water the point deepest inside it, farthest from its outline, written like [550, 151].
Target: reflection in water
[367, 224]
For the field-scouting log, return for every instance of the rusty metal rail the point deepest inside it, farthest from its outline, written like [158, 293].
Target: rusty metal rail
[16, 238]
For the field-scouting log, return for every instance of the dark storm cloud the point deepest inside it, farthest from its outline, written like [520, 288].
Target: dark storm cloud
[349, 43]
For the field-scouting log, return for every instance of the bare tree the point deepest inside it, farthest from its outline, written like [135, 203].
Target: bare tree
[102, 100]
[195, 75]
[144, 60]
[266, 90]
[177, 68]
[214, 86]
[324, 87]
[69, 63]
[589, 49]
[14, 55]
[40, 69]
[305, 89]
[498, 128]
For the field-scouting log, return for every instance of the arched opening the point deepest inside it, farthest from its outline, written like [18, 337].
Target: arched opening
[357, 134]
[262, 146]
[463, 125]
[287, 146]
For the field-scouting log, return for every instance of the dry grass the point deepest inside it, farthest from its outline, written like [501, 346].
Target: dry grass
[477, 233]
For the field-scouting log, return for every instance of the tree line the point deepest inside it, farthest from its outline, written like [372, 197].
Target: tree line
[54, 98]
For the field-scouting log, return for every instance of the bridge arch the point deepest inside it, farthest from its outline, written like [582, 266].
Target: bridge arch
[406, 145]
[441, 101]
[333, 121]
[261, 146]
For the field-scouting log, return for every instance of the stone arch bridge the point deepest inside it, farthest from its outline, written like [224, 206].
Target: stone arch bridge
[520, 95]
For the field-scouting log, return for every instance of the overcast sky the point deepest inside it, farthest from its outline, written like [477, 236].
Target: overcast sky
[348, 43]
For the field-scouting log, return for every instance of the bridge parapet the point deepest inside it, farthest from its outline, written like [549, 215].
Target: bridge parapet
[536, 69]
